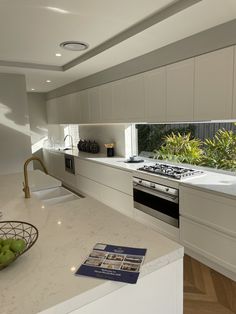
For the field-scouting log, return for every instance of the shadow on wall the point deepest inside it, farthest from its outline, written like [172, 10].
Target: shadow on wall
[6, 113]
[14, 151]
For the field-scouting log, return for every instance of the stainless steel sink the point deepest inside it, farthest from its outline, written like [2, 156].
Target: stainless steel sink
[55, 195]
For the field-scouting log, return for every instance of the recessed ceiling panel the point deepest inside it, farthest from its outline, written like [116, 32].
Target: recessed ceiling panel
[31, 31]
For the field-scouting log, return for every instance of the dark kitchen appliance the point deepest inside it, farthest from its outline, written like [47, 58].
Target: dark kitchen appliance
[69, 164]
[170, 171]
[157, 200]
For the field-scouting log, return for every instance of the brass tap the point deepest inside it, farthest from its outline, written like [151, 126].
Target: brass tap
[26, 182]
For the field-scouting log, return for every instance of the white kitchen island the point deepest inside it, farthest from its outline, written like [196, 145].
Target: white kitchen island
[43, 280]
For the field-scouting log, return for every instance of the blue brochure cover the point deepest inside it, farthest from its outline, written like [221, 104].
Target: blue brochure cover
[112, 262]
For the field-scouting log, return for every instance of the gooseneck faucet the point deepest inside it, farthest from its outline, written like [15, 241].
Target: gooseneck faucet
[26, 182]
[71, 138]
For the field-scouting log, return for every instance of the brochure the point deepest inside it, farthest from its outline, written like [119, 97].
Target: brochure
[112, 262]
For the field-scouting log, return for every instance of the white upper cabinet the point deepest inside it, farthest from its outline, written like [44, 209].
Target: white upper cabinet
[135, 98]
[155, 95]
[105, 95]
[84, 106]
[180, 91]
[128, 100]
[234, 87]
[64, 109]
[118, 101]
[52, 111]
[94, 104]
[73, 107]
[214, 85]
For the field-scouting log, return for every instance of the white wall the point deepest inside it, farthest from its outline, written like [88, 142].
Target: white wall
[37, 116]
[14, 123]
[103, 134]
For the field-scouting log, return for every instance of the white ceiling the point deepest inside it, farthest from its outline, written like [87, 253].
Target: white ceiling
[30, 32]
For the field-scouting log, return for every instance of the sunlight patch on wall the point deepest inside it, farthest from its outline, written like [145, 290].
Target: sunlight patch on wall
[4, 111]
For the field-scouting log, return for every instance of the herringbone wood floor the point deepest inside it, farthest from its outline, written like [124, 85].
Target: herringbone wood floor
[206, 291]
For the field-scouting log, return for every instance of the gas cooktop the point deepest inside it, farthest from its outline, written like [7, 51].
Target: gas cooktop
[171, 171]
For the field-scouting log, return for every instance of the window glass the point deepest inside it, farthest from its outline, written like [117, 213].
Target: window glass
[204, 144]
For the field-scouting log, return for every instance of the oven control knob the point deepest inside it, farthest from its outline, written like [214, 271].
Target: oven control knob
[152, 185]
[167, 189]
[140, 181]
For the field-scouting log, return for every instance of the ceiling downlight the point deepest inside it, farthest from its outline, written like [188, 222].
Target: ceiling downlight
[74, 45]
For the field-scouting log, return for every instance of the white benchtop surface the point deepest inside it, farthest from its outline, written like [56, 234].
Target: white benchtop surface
[222, 184]
[44, 276]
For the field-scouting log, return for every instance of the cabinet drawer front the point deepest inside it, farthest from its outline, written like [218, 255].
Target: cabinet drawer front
[106, 175]
[208, 242]
[216, 211]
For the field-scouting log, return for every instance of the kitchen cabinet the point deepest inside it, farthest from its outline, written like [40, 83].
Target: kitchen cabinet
[84, 106]
[55, 164]
[111, 186]
[52, 111]
[214, 85]
[196, 89]
[234, 87]
[94, 105]
[135, 98]
[115, 178]
[64, 109]
[105, 98]
[73, 115]
[155, 95]
[207, 228]
[180, 91]
[128, 100]
[118, 101]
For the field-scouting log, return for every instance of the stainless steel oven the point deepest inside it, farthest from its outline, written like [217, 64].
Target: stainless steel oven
[157, 200]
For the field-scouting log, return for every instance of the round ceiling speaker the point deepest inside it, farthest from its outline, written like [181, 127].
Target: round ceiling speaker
[74, 45]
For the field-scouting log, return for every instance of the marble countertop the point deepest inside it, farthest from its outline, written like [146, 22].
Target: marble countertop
[219, 183]
[44, 276]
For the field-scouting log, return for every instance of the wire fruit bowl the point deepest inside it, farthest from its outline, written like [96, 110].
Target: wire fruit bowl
[18, 230]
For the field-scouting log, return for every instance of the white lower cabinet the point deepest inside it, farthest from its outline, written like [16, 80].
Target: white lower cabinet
[107, 195]
[111, 177]
[55, 164]
[210, 243]
[109, 185]
[208, 229]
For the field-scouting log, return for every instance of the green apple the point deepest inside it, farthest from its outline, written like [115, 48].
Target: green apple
[5, 248]
[18, 245]
[7, 241]
[6, 257]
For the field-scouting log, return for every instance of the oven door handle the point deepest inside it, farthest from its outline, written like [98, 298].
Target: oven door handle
[167, 196]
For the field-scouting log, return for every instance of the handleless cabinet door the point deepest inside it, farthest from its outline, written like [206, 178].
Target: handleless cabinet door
[62, 107]
[155, 95]
[135, 98]
[105, 94]
[52, 111]
[74, 111]
[94, 104]
[179, 91]
[84, 106]
[234, 87]
[213, 85]
[118, 101]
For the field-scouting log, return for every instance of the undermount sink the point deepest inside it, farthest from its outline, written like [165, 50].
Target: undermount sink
[55, 195]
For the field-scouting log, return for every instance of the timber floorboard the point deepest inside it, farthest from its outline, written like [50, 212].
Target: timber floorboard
[206, 291]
